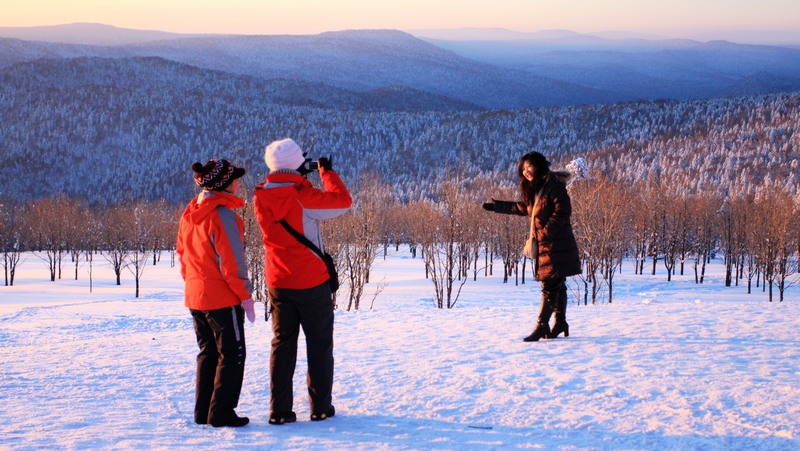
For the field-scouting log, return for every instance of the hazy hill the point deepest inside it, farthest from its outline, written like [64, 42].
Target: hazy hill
[371, 59]
[354, 60]
[643, 69]
[504, 70]
[88, 33]
[152, 74]
[13, 51]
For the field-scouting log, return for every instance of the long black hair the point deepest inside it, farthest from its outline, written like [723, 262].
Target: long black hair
[541, 167]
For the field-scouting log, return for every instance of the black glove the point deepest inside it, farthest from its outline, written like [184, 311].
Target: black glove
[326, 163]
[489, 205]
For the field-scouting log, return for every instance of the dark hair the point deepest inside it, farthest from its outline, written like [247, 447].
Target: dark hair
[541, 166]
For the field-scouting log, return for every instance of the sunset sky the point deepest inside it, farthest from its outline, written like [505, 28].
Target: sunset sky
[674, 17]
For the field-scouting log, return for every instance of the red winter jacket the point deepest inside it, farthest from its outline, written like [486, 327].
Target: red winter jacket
[211, 250]
[288, 195]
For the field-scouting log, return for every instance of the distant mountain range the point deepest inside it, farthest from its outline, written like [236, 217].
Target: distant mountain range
[154, 73]
[518, 71]
[89, 34]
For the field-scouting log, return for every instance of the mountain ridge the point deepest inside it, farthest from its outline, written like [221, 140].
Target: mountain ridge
[361, 60]
[151, 72]
[561, 68]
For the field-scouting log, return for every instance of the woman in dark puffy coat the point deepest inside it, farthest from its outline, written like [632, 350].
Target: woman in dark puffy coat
[546, 201]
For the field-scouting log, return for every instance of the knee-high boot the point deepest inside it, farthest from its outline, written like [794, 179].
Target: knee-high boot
[542, 329]
[561, 314]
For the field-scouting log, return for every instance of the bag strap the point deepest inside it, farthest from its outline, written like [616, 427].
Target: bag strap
[301, 238]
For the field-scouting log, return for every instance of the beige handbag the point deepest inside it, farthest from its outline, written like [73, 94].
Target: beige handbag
[531, 249]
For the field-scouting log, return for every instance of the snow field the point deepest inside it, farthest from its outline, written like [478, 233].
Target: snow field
[666, 366]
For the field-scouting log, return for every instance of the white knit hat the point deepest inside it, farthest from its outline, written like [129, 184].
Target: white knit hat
[283, 154]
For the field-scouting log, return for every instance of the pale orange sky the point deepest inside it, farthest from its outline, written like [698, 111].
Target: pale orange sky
[674, 17]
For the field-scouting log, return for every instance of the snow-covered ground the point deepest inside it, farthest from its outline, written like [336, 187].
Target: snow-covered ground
[666, 366]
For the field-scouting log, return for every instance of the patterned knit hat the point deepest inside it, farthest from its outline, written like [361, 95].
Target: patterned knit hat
[215, 175]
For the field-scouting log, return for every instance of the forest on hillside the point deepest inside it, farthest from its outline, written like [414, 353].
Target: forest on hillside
[108, 131]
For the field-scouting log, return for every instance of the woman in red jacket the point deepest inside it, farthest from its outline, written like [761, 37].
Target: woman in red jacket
[217, 291]
[296, 276]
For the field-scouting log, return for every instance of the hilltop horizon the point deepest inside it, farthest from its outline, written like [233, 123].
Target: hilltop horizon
[66, 33]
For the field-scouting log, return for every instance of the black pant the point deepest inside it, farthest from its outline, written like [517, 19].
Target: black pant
[313, 310]
[220, 363]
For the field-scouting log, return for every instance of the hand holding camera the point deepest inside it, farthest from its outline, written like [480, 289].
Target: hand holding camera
[323, 162]
[326, 163]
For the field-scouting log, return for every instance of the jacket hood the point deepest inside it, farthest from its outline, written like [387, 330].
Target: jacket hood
[279, 194]
[206, 202]
[561, 176]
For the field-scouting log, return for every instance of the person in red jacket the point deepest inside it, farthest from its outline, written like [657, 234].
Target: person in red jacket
[217, 290]
[297, 277]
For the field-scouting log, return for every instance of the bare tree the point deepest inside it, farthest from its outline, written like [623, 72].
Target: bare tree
[438, 232]
[160, 214]
[641, 226]
[78, 231]
[670, 217]
[704, 220]
[361, 232]
[253, 247]
[589, 229]
[780, 238]
[476, 233]
[115, 230]
[47, 224]
[729, 239]
[509, 233]
[10, 239]
[602, 218]
[145, 220]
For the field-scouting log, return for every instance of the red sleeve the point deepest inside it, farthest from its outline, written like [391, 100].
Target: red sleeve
[229, 245]
[332, 202]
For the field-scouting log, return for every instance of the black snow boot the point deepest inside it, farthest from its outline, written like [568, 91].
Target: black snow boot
[231, 420]
[278, 418]
[325, 414]
[561, 315]
[559, 327]
[542, 330]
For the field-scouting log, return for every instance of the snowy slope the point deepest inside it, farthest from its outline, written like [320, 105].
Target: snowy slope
[666, 366]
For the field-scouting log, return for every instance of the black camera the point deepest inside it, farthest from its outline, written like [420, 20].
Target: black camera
[310, 166]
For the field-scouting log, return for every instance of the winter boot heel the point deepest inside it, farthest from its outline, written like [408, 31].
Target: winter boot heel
[558, 328]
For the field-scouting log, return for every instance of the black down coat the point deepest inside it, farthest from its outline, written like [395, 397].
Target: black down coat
[558, 250]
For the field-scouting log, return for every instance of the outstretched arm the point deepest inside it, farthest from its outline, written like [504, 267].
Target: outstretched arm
[506, 207]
